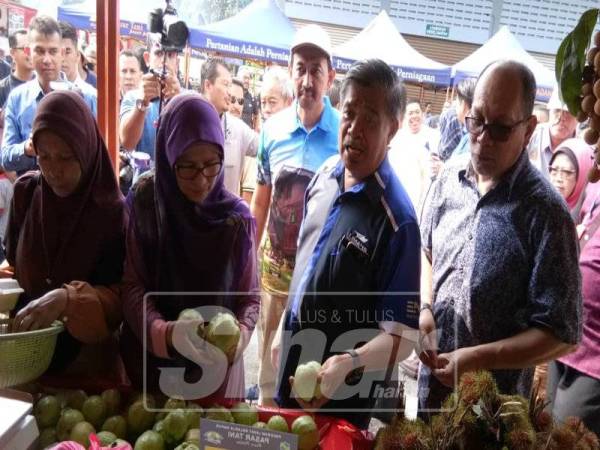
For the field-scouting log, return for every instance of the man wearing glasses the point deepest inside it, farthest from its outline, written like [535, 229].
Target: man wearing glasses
[547, 137]
[236, 98]
[23, 68]
[240, 139]
[500, 280]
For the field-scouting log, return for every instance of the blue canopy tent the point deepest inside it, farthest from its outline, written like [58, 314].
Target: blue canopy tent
[133, 15]
[260, 31]
[381, 39]
[504, 45]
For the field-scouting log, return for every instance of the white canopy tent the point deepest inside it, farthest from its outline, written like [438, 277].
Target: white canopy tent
[381, 39]
[504, 45]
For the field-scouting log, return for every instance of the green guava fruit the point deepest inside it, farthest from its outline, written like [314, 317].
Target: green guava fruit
[116, 425]
[149, 440]
[81, 433]
[278, 423]
[306, 384]
[307, 431]
[94, 410]
[112, 401]
[47, 411]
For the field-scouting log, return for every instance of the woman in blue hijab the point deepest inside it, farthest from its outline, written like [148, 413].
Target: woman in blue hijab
[190, 243]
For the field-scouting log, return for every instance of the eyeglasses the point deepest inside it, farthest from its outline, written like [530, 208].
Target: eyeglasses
[233, 99]
[563, 173]
[190, 171]
[498, 132]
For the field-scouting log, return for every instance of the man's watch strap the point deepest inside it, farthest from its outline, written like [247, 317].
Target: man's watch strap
[425, 306]
[355, 358]
[140, 106]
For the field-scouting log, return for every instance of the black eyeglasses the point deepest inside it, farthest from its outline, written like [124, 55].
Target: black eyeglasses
[497, 131]
[240, 101]
[190, 171]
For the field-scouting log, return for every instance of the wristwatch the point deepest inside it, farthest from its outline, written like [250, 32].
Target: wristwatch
[425, 306]
[355, 358]
[139, 105]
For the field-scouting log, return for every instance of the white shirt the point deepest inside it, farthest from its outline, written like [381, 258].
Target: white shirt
[240, 141]
[408, 157]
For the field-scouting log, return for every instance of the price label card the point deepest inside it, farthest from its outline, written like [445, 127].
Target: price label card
[216, 435]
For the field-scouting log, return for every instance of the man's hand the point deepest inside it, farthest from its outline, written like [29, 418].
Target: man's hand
[452, 365]
[427, 348]
[171, 86]
[29, 150]
[42, 312]
[435, 165]
[332, 375]
[150, 87]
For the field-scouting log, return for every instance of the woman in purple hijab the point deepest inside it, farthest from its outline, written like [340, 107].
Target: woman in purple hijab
[190, 243]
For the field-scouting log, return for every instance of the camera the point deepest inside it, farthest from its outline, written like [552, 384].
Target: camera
[173, 32]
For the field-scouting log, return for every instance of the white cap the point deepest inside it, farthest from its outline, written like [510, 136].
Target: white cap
[312, 35]
[555, 101]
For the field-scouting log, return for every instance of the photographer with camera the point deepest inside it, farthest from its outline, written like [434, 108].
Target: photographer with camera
[140, 108]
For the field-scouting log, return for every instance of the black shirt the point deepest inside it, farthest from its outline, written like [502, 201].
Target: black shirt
[250, 108]
[7, 85]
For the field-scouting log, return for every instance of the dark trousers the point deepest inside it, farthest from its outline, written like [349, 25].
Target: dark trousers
[572, 393]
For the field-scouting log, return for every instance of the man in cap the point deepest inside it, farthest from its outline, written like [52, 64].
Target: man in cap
[548, 136]
[293, 145]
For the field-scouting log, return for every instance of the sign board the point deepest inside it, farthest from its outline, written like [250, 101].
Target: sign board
[216, 435]
[437, 30]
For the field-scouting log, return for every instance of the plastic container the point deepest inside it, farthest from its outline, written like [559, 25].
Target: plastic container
[9, 294]
[25, 356]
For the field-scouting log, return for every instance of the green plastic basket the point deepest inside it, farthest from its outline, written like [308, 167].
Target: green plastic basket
[25, 356]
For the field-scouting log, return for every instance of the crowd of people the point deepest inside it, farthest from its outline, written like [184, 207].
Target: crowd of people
[340, 218]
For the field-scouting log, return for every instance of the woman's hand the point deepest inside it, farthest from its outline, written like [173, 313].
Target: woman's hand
[42, 312]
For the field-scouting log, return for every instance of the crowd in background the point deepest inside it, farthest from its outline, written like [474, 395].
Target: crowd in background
[258, 140]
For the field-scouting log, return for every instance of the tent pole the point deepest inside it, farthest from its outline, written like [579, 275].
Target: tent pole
[421, 93]
[447, 92]
[107, 37]
[188, 53]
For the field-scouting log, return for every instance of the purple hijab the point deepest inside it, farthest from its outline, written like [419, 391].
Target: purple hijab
[201, 247]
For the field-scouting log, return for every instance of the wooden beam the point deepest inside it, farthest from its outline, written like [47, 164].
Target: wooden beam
[107, 37]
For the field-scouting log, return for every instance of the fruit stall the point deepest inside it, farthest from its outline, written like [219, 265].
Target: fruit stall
[62, 412]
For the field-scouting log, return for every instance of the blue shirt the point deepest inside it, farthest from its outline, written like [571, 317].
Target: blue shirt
[288, 157]
[18, 120]
[364, 240]
[464, 146]
[451, 132]
[148, 140]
